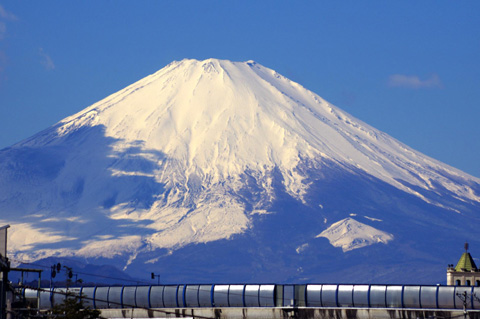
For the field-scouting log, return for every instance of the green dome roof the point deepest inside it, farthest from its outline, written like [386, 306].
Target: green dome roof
[466, 263]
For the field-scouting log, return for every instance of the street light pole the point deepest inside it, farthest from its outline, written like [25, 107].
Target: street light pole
[158, 277]
[4, 269]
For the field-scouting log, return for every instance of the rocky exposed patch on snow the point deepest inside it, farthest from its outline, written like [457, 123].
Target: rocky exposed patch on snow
[350, 234]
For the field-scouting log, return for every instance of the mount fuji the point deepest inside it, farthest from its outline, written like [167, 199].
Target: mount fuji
[219, 171]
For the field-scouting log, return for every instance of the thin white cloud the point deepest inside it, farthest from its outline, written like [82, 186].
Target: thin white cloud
[46, 61]
[4, 14]
[4, 17]
[414, 82]
[3, 30]
[3, 62]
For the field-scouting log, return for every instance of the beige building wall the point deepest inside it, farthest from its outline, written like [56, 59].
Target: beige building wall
[462, 278]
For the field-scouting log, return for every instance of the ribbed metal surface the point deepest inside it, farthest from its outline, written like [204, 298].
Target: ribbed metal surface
[361, 295]
[428, 297]
[329, 295]
[115, 297]
[87, 295]
[345, 296]
[267, 295]
[101, 297]
[394, 296]
[235, 295]
[411, 296]
[378, 296]
[156, 296]
[205, 295]
[253, 295]
[191, 296]
[141, 296]
[314, 295]
[129, 295]
[220, 295]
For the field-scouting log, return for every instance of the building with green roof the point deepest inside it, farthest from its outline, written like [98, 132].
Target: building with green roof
[465, 273]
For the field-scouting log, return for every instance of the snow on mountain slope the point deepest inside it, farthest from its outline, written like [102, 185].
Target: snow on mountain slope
[217, 118]
[192, 154]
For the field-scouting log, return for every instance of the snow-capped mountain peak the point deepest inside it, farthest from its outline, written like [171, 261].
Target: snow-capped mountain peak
[201, 151]
[218, 118]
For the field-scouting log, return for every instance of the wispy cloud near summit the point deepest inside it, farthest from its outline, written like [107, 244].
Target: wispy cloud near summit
[414, 82]
[5, 16]
[46, 61]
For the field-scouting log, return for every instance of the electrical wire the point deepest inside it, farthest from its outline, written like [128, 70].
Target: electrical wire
[83, 273]
[189, 287]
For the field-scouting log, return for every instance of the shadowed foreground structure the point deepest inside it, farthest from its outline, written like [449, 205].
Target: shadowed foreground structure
[271, 301]
[307, 313]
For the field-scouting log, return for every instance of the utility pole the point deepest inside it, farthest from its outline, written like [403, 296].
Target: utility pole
[53, 272]
[158, 277]
[68, 276]
[4, 269]
[464, 297]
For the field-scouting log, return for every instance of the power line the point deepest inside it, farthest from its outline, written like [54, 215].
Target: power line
[83, 273]
[188, 287]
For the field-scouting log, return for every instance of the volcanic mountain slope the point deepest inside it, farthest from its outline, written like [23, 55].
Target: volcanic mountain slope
[227, 171]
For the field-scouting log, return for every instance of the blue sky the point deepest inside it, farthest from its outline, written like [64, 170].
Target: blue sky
[408, 68]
